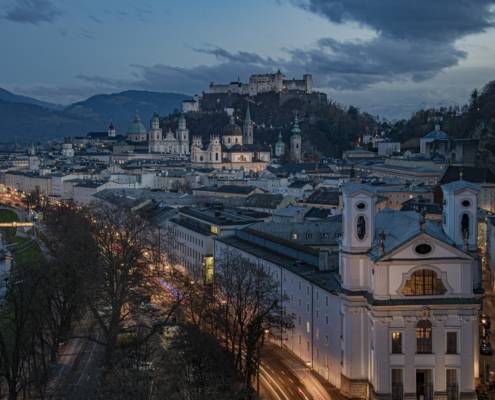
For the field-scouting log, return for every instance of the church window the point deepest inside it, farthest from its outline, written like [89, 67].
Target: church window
[216, 156]
[422, 248]
[424, 337]
[361, 227]
[465, 226]
[466, 203]
[424, 282]
[361, 206]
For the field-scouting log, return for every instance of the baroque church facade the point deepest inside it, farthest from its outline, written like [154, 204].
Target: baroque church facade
[233, 149]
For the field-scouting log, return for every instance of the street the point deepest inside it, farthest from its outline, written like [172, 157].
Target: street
[285, 377]
[77, 371]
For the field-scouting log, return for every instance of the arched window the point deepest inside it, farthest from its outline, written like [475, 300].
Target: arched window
[424, 282]
[423, 337]
[465, 226]
[216, 156]
[361, 227]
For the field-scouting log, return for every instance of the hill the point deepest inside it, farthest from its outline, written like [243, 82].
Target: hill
[120, 107]
[5, 95]
[327, 128]
[24, 120]
[474, 120]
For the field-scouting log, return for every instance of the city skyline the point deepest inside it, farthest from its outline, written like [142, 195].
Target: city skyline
[415, 54]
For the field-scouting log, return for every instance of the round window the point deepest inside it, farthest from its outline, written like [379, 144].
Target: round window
[361, 206]
[466, 203]
[423, 248]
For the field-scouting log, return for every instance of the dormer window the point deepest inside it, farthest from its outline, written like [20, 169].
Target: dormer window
[361, 227]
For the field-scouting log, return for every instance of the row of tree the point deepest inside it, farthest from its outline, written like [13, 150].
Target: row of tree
[107, 279]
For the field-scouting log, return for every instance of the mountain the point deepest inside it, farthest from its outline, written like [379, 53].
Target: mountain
[5, 95]
[121, 107]
[26, 119]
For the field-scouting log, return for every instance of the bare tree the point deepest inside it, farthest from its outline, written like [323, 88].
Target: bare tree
[247, 306]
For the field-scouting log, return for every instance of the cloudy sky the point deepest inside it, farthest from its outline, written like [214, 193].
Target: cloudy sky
[385, 56]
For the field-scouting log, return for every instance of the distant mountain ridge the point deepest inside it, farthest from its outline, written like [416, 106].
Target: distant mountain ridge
[26, 119]
[5, 95]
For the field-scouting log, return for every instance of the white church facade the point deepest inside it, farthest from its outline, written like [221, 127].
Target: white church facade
[398, 318]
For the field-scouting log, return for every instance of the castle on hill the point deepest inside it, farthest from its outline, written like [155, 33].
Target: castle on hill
[262, 83]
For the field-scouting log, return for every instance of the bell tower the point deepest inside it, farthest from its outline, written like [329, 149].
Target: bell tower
[183, 135]
[460, 213]
[295, 141]
[247, 128]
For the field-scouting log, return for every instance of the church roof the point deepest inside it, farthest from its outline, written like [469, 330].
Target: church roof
[436, 134]
[136, 126]
[400, 227]
[232, 128]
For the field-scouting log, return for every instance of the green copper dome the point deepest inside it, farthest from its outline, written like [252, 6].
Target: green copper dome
[137, 126]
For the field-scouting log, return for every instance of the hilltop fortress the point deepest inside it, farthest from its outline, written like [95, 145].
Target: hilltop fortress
[262, 83]
[221, 95]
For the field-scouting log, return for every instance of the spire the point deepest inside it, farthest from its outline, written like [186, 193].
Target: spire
[247, 119]
[295, 126]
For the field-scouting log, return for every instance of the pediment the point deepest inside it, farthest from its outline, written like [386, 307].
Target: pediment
[415, 249]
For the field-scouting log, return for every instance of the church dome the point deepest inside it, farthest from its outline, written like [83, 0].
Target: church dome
[136, 126]
[232, 129]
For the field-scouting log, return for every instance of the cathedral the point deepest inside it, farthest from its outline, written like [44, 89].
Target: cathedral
[233, 149]
[172, 143]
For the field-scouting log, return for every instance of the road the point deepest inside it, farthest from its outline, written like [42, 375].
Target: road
[284, 377]
[76, 374]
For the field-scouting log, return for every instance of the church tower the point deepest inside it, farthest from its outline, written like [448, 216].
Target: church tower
[111, 132]
[358, 234]
[295, 141]
[279, 146]
[247, 129]
[155, 135]
[460, 213]
[183, 135]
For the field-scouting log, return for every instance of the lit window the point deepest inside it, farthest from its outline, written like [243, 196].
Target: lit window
[424, 337]
[396, 342]
[424, 282]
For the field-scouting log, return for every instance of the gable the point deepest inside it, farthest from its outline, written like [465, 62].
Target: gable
[439, 250]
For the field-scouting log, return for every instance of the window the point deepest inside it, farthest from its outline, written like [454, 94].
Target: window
[424, 282]
[361, 227]
[466, 203]
[397, 385]
[361, 206]
[465, 226]
[451, 342]
[424, 337]
[396, 342]
[423, 248]
[452, 386]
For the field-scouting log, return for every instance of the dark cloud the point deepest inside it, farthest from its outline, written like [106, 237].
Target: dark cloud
[415, 39]
[32, 11]
[442, 20]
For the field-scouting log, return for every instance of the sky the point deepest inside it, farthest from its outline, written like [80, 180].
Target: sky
[388, 57]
